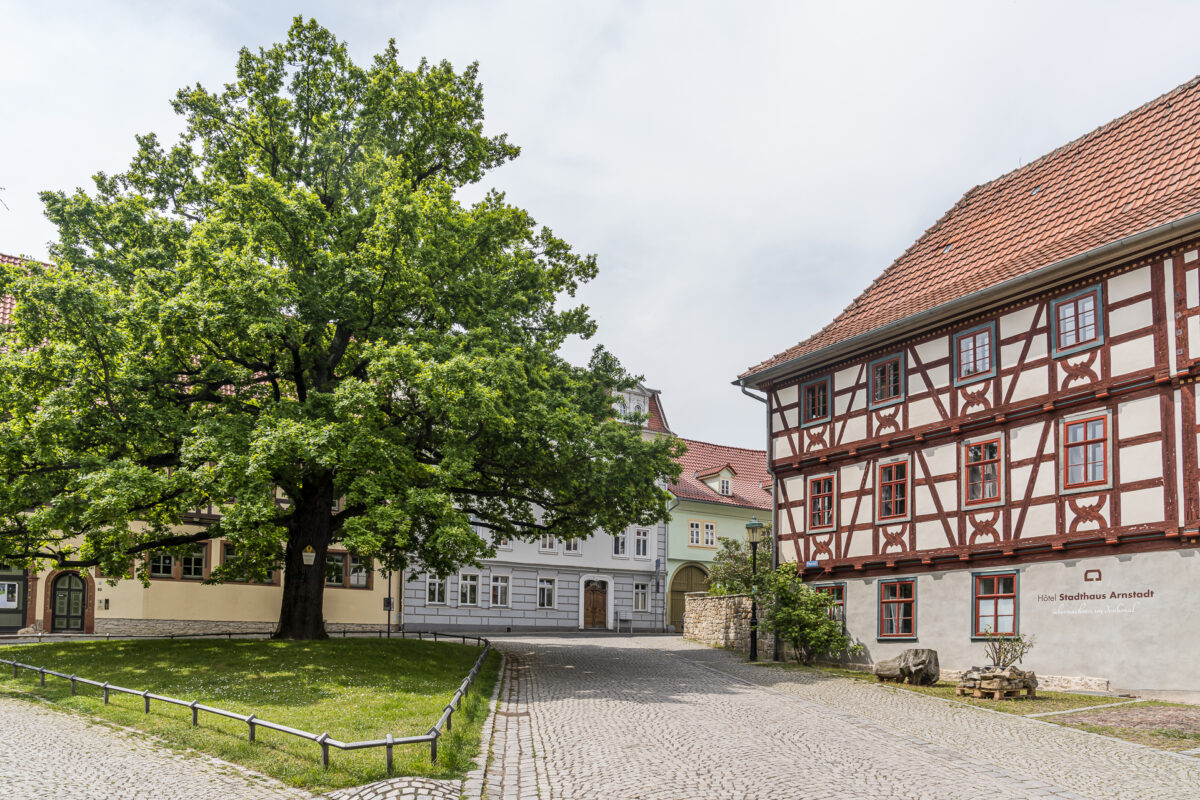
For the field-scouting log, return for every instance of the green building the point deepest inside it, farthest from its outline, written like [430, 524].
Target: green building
[719, 490]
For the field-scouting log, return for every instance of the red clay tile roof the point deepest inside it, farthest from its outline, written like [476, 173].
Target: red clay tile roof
[7, 303]
[747, 484]
[1137, 172]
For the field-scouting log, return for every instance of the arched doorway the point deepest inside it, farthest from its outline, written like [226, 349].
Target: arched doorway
[595, 604]
[690, 578]
[69, 603]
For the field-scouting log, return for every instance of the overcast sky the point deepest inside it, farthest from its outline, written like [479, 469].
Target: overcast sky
[742, 170]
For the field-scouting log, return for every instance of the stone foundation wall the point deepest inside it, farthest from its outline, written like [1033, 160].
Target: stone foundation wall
[1049, 683]
[723, 621]
[186, 627]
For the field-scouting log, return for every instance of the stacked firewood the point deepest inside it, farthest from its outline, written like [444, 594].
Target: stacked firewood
[997, 682]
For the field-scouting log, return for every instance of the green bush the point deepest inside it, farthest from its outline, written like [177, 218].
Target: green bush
[800, 616]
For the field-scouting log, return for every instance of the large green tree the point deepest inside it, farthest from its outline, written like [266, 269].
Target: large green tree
[289, 315]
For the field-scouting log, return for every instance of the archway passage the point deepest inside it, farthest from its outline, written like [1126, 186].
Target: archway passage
[69, 598]
[595, 604]
[687, 579]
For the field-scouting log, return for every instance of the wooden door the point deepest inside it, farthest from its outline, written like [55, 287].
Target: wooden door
[688, 579]
[69, 592]
[595, 604]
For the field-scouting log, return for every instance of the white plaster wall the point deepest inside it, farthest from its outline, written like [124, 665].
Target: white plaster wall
[941, 458]
[932, 350]
[1141, 462]
[788, 395]
[1193, 324]
[845, 378]
[1017, 322]
[855, 429]
[1142, 506]
[1131, 318]
[922, 412]
[939, 376]
[1120, 640]
[1132, 356]
[780, 448]
[861, 543]
[1129, 284]
[1040, 520]
[1023, 441]
[1137, 417]
[1192, 281]
[931, 535]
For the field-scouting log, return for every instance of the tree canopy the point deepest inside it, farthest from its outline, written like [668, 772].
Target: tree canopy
[289, 315]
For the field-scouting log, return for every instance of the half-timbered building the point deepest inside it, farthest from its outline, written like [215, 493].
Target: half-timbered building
[1001, 434]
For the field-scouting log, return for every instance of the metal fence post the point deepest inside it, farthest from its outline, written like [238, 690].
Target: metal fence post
[322, 740]
[195, 713]
[433, 747]
[250, 722]
[389, 753]
[14, 669]
[105, 688]
[43, 671]
[146, 700]
[72, 684]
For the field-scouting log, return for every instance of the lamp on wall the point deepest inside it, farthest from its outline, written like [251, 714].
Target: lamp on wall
[754, 535]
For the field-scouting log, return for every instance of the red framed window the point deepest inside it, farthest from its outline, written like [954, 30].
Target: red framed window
[893, 491]
[1075, 321]
[975, 353]
[996, 604]
[897, 608]
[981, 465]
[1085, 443]
[816, 401]
[820, 502]
[837, 610]
[885, 380]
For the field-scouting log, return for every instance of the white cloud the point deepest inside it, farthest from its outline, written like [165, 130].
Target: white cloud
[742, 170]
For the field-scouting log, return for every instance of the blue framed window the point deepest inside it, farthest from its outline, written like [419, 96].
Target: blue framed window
[975, 354]
[898, 609]
[1076, 322]
[886, 381]
[816, 401]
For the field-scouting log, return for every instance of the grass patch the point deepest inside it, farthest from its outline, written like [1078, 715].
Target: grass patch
[353, 688]
[1045, 701]
[1139, 722]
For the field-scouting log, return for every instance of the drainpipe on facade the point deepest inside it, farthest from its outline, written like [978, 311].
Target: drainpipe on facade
[666, 591]
[777, 655]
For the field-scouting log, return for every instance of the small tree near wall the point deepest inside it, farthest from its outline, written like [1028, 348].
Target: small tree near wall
[800, 616]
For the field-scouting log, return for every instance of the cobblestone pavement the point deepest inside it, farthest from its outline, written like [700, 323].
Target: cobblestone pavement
[645, 718]
[52, 755]
[412, 788]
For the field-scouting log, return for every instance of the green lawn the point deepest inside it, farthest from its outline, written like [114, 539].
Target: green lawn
[353, 688]
[1045, 701]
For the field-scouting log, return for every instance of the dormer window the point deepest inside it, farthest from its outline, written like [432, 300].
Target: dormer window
[726, 488]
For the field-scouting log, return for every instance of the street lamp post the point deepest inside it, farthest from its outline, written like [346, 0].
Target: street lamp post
[754, 532]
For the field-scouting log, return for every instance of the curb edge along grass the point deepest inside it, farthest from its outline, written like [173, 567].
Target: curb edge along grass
[474, 781]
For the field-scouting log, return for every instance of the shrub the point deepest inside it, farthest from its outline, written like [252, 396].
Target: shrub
[1004, 650]
[800, 617]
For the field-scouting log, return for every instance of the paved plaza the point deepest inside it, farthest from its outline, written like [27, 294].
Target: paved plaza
[654, 718]
[659, 717]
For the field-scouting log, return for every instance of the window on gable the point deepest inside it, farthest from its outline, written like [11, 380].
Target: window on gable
[995, 604]
[975, 353]
[893, 491]
[1075, 320]
[816, 401]
[820, 502]
[886, 380]
[981, 465]
[897, 609]
[1086, 452]
[726, 488]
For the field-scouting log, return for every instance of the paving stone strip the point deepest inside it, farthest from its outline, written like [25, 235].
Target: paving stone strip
[50, 755]
[646, 718]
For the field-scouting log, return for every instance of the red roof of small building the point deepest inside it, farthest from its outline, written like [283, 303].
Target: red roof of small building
[1133, 174]
[750, 483]
[656, 420]
[7, 303]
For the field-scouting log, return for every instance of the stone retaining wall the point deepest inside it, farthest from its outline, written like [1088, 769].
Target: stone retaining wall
[723, 621]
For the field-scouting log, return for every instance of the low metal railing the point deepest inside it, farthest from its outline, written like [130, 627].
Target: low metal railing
[253, 722]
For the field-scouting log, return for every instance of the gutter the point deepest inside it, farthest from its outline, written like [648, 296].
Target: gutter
[1148, 239]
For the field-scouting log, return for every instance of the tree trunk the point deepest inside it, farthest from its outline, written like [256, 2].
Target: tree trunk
[302, 612]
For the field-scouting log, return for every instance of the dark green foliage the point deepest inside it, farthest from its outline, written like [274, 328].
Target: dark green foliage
[292, 297]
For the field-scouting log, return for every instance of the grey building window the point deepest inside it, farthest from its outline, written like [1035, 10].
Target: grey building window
[619, 544]
[435, 591]
[641, 543]
[546, 591]
[468, 590]
[641, 596]
[500, 590]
